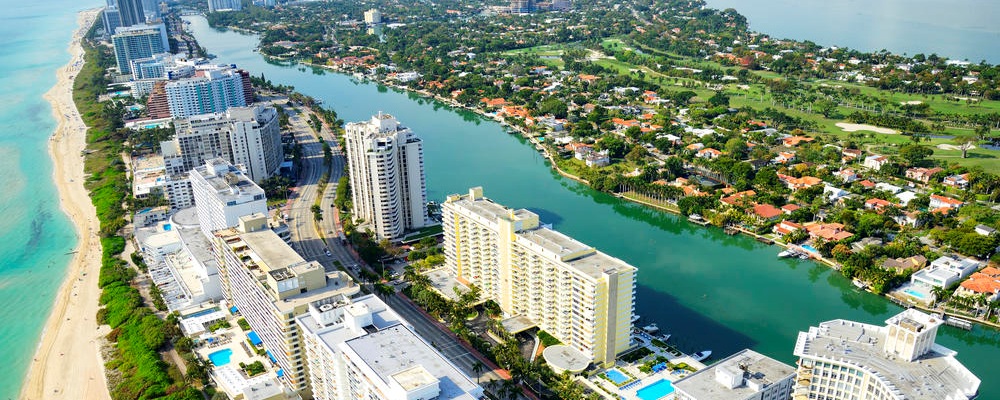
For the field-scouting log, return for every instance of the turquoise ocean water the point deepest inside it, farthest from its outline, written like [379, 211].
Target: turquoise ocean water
[36, 235]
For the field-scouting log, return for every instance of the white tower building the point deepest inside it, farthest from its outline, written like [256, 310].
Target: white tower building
[386, 165]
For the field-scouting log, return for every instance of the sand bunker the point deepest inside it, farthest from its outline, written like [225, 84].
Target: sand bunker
[848, 127]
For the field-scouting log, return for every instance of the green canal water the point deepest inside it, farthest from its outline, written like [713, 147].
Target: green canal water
[710, 290]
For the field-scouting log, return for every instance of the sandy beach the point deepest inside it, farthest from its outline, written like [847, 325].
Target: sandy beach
[67, 363]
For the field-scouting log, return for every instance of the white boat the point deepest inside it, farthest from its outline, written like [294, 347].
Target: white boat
[787, 253]
[664, 337]
[859, 284]
[804, 256]
[651, 329]
[635, 318]
[701, 355]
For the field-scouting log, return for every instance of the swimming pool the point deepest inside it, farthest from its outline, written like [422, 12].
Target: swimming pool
[202, 312]
[656, 391]
[914, 293]
[809, 248]
[616, 376]
[167, 227]
[221, 357]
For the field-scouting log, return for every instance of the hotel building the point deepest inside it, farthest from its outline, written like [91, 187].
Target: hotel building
[386, 167]
[577, 294]
[362, 349]
[137, 42]
[271, 285]
[244, 136]
[222, 194]
[847, 360]
[210, 90]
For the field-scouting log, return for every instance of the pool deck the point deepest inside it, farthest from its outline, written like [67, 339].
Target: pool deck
[230, 378]
[643, 379]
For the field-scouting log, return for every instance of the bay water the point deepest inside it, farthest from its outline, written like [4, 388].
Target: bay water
[957, 29]
[36, 235]
[710, 290]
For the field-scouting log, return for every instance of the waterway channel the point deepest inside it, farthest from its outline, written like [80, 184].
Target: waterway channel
[708, 289]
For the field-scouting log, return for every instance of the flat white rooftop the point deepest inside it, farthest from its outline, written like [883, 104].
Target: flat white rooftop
[934, 376]
[394, 352]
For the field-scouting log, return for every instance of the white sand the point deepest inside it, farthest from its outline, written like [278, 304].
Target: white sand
[67, 363]
[945, 146]
[848, 127]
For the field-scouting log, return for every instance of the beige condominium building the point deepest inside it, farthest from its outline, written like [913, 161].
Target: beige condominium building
[362, 349]
[583, 297]
[847, 360]
[746, 375]
[271, 284]
[386, 166]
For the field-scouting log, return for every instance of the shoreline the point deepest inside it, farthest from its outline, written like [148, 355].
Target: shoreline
[67, 361]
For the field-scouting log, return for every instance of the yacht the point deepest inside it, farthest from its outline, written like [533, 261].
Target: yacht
[859, 284]
[651, 329]
[787, 253]
[635, 318]
[701, 355]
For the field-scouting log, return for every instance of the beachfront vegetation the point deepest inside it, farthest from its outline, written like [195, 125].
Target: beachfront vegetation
[135, 368]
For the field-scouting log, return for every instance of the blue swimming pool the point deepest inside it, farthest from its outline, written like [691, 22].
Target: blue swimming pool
[167, 227]
[914, 293]
[202, 312]
[656, 391]
[616, 376]
[221, 357]
[809, 248]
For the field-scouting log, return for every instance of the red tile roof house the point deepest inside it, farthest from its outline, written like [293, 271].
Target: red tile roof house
[785, 227]
[799, 183]
[765, 212]
[877, 204]
[830, 232]
[922, 174]
[847, 175]
[795, 140]
[986, 281]
[709, 153]
[938, 201]
[867, 184]
[788, 209]
[737, 199]
[850, 154]
[956, 181]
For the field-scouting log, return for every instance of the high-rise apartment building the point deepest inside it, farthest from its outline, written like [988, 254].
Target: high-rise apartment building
[131, 12]
[746, 375]
[246, 136]
[583, 297]
[362, 349]
[847, 360]
[136, 42]
[224, 5]
[112, 19]
[222, 194]
[270, 284]
[386, 166]
[373, 17]
[208, 91]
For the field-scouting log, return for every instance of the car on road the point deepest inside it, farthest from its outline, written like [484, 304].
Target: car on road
[327, 251]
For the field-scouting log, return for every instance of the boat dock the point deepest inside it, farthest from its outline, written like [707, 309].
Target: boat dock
[957, 322]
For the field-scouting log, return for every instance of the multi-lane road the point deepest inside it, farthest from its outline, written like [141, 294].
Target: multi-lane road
[308, 240]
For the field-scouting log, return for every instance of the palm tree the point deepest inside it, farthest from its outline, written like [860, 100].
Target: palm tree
[477, 368]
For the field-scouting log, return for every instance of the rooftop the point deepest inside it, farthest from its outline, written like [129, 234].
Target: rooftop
[750, 372]
[935, 375]
[539, 238]
[228, 182]
[396, 354]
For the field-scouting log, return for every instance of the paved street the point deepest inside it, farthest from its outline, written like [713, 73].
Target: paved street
[307, 240]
